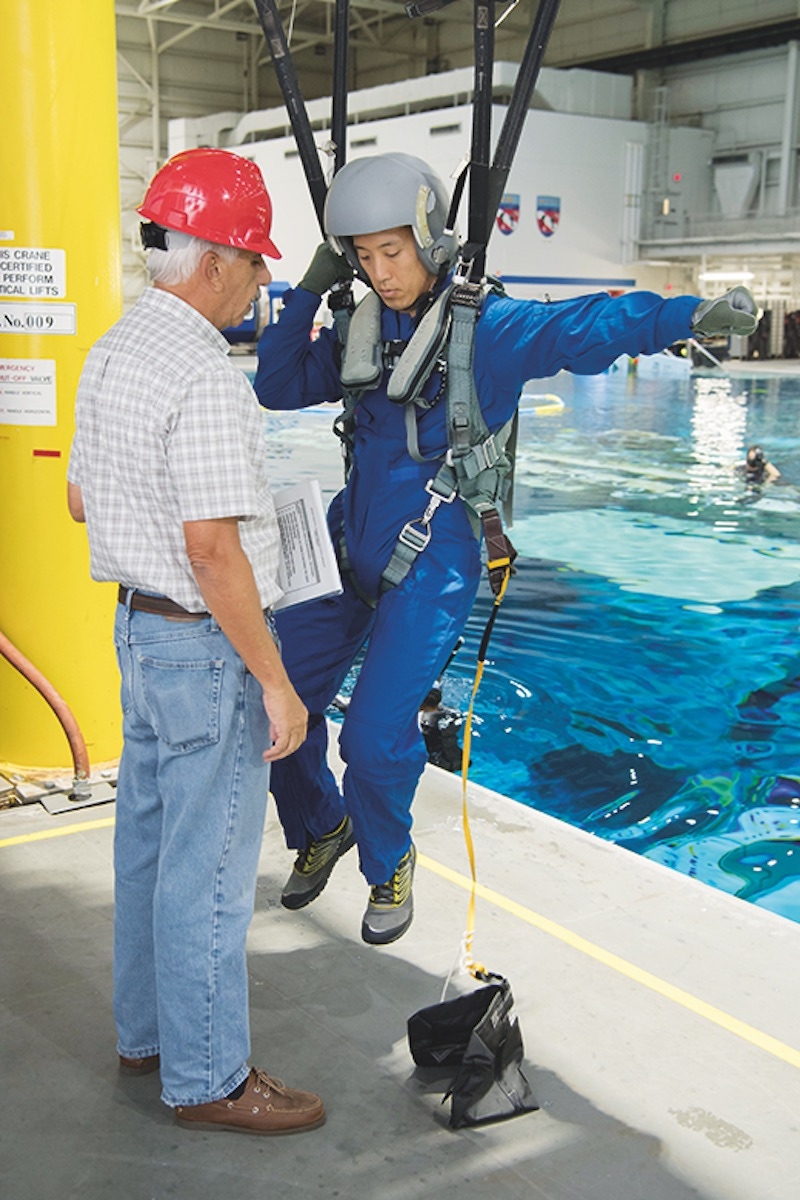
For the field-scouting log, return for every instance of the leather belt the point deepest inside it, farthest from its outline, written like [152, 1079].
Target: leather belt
[161, 605]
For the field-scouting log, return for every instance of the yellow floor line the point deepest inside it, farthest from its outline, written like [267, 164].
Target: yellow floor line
[741, 1029]
[43, 834]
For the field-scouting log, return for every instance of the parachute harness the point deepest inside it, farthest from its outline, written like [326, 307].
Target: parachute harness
[478, 465]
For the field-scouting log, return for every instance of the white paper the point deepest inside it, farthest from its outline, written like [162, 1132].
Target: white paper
[308, 568]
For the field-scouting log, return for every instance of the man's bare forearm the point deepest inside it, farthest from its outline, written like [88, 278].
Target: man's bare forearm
[228, 586]
[226, 580]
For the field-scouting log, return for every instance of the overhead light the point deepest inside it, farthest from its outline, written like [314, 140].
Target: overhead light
[725, 276]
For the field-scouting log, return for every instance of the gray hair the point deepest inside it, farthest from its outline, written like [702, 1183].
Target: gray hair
[182, 258]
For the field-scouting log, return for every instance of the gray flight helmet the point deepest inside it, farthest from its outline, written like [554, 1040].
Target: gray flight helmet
[385, 191]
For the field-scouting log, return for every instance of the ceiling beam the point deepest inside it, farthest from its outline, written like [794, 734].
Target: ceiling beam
[735, 41]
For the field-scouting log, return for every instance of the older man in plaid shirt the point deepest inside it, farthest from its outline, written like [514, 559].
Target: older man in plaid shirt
[168, 470]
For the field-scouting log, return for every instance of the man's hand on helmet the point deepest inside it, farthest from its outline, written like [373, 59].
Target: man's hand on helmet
[325, 268]
[735, 312]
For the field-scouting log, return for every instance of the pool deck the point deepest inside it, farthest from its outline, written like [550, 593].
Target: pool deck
[763, 366]
[659, 1018]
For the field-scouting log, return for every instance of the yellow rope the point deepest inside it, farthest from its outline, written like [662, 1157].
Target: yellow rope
[476, 969]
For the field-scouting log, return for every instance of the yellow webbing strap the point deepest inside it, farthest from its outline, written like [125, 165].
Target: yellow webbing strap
[477, 970]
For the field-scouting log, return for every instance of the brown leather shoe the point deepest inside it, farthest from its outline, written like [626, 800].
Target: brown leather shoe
[265, 1106]
[139, 1066]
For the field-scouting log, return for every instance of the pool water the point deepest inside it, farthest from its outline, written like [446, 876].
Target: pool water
[643, 677]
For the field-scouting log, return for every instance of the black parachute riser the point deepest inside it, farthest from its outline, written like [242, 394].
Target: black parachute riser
[487, 182]
[341, 32]
[483, 38]
[518, 107]
[295, 104]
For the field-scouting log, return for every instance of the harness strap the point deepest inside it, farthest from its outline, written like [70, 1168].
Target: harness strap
[412, 440]
[344, 426]
[415, 535]
[508, 483]
[464, 416]
[346, 567]
[340, 303]
[500, 554]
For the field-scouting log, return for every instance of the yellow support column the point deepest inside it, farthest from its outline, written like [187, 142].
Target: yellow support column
[60, 288]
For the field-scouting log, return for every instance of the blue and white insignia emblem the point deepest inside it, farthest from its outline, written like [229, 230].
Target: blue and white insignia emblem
[548, 214]
[508, 213]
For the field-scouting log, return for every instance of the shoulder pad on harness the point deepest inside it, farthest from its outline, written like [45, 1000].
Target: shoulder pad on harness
[421, 353]
[362, 360]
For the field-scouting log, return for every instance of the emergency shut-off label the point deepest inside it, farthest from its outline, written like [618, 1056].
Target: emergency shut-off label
[27, 391]
[32, 273]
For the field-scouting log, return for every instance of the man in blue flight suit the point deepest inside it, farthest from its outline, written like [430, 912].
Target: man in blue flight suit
[387, 217]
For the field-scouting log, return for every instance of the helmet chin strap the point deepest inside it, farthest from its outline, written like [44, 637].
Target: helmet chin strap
[424, 301]
[158, 237]
[154, 237]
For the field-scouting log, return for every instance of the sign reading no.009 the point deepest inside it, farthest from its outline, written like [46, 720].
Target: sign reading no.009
[37, 318]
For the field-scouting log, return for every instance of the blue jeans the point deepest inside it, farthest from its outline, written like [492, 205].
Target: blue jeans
[191, 802]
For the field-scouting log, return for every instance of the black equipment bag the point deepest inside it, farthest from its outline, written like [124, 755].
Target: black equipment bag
[479, 1035]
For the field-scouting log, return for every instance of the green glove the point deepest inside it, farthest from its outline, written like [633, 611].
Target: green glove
[324, 269]
[735, 312]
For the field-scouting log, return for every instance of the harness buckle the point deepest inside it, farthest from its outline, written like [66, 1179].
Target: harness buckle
[487, 451]
[393, 352]
[462, 270]
[467, 293]
[340, 296]
[438, 495]
[415, 539]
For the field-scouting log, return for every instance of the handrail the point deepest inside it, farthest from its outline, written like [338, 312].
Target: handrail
[698, 346]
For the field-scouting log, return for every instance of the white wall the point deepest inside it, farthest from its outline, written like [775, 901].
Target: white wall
[743, 102]
[579, 160]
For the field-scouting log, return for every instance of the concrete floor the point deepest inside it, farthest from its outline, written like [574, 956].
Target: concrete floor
[659, 1019]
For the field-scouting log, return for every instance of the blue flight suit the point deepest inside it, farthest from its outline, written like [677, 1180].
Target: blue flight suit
[415, 625]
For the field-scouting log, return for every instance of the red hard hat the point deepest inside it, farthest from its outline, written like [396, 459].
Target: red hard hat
[215, 195]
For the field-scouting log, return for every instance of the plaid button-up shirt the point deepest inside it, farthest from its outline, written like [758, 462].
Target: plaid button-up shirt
[168, 430]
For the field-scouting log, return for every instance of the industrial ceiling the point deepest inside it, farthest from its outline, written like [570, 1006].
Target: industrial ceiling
[387, 45]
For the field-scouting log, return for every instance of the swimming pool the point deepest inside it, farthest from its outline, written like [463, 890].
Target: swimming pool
[643, 678]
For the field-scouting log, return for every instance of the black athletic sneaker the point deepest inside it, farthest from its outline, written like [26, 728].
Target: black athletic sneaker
[390, 910]
[312, 867]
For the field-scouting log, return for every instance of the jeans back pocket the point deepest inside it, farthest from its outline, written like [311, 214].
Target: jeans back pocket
[183, 700]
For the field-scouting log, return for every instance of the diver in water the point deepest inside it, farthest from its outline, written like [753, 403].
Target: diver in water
[440, 725]
[756, 468]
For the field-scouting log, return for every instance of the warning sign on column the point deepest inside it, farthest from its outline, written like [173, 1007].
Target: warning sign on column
[27, 391]
[26, 271]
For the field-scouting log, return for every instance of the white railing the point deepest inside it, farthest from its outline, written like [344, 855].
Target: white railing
[715, 227]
